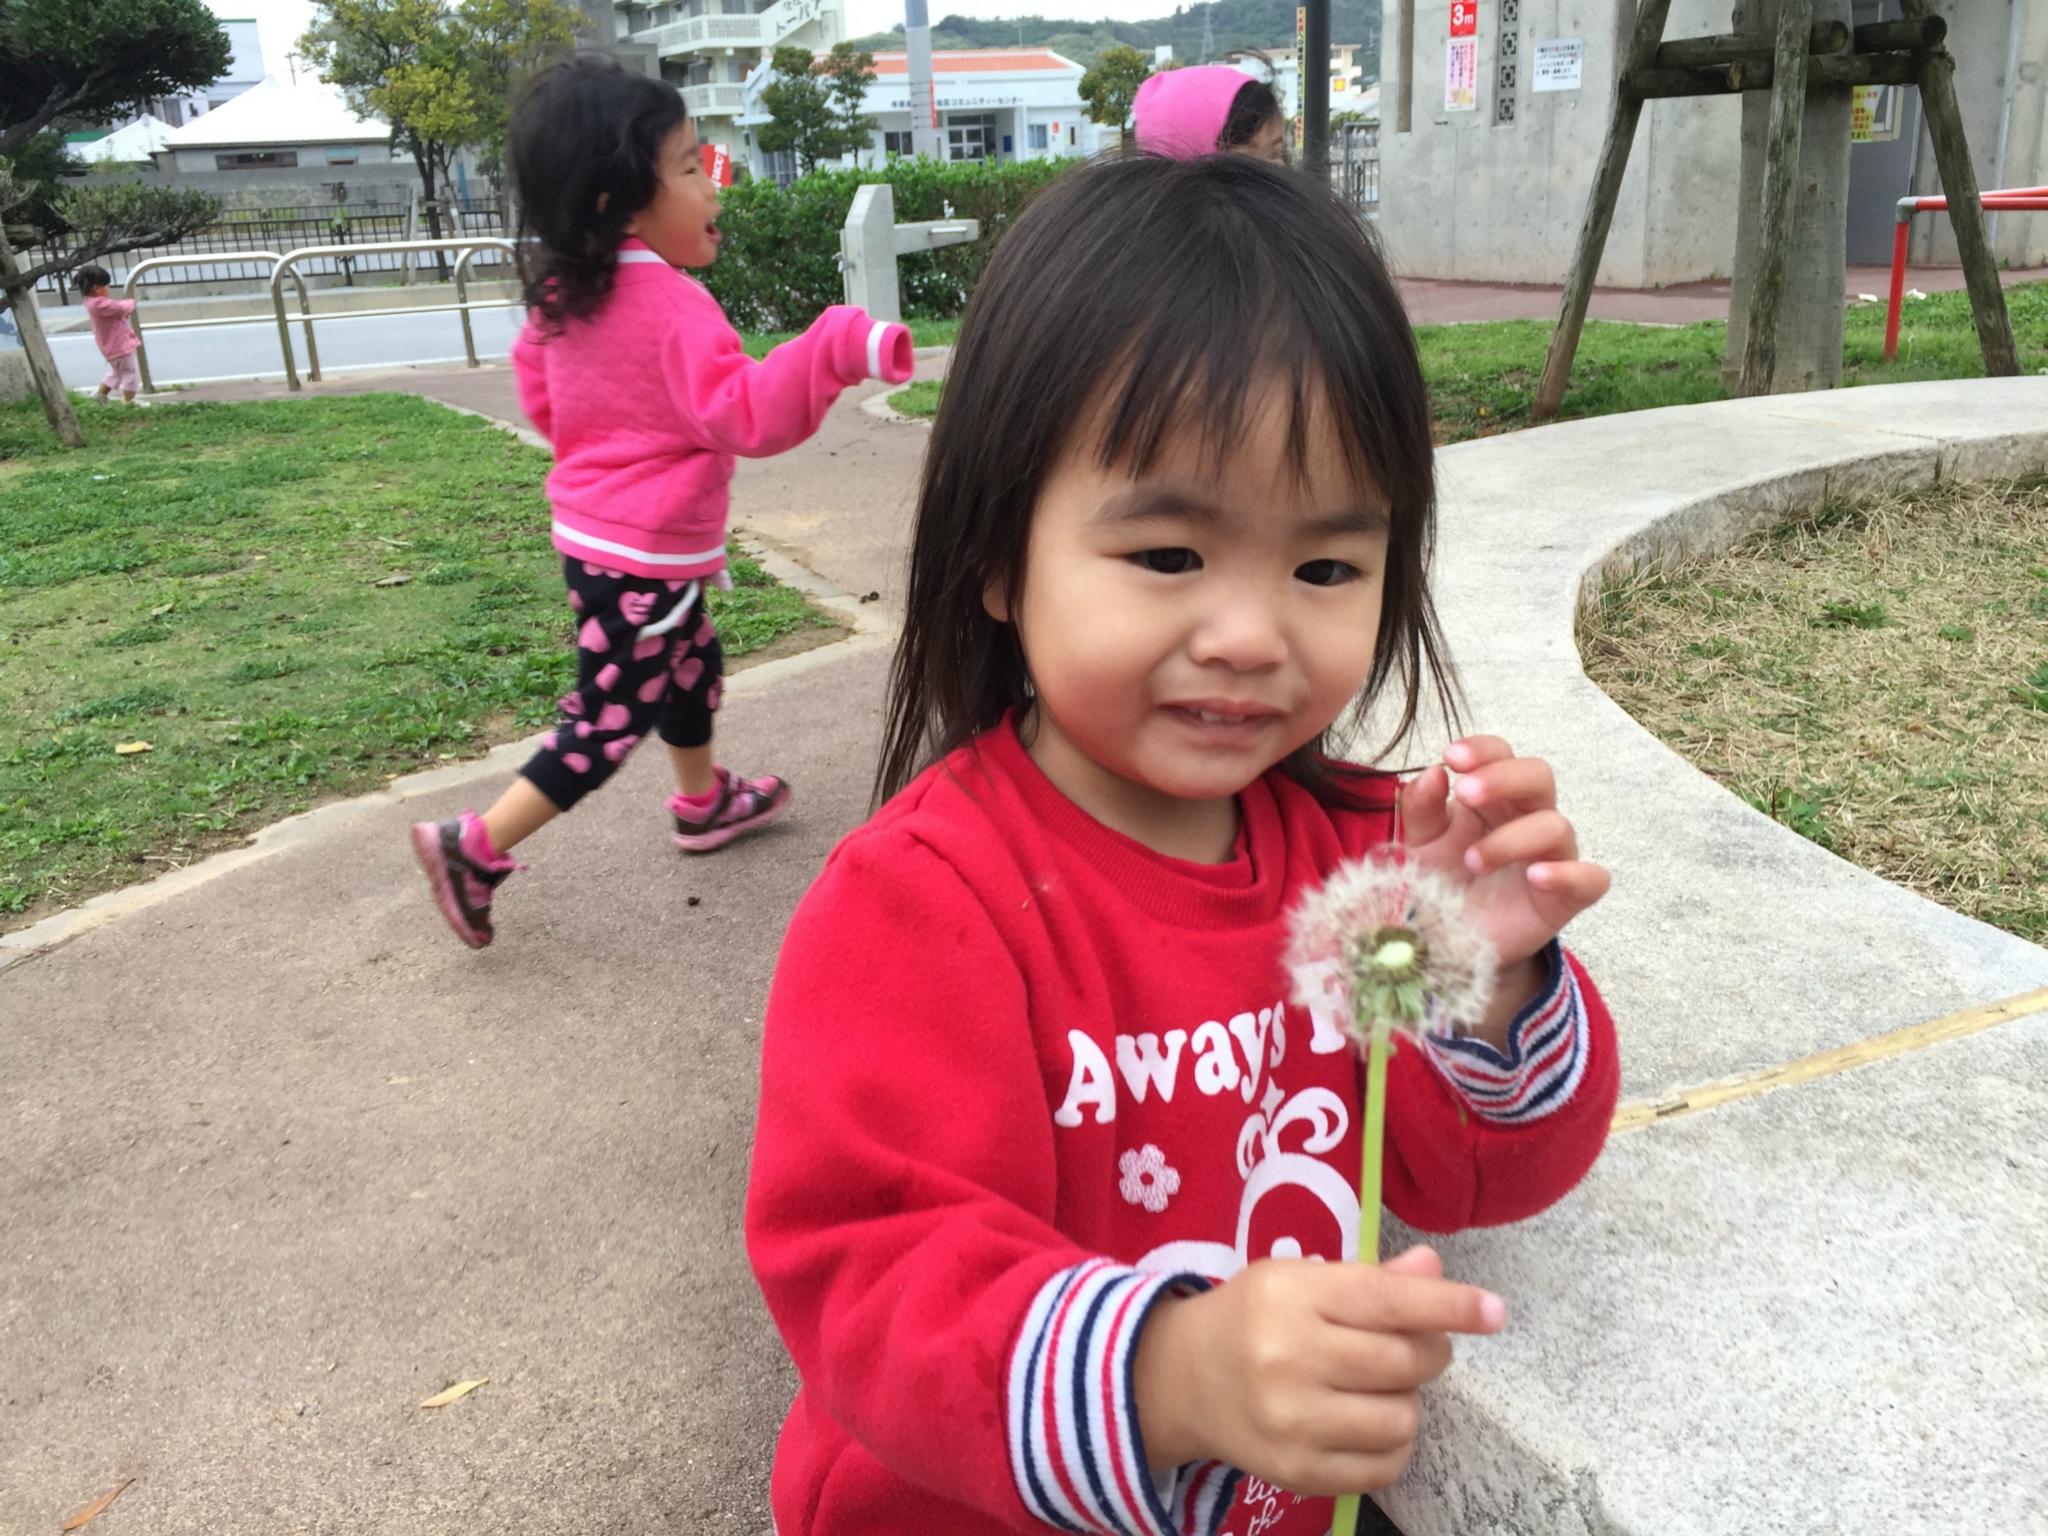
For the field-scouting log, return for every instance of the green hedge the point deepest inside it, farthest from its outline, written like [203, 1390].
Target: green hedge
[778, 265]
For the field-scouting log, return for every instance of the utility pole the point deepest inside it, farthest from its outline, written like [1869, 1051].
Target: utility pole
[1208, 32]
[924, 101]
[1312, 70]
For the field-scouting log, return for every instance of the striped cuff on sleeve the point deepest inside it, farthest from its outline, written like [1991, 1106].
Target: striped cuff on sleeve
[1075, 1448]
[1544, 1060]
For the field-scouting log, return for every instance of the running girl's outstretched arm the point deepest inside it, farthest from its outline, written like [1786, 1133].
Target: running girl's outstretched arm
[754, 409]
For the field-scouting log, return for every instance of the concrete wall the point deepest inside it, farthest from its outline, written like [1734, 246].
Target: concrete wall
[1463, 198]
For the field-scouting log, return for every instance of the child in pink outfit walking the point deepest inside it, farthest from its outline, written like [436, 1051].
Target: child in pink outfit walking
[630, 370]
[112, 332]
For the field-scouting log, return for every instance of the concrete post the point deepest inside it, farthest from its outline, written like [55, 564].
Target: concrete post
[867, 253]
[1809, 350]
[917, 46]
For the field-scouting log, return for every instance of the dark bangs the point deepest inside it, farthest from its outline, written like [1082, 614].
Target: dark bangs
[1160, 297]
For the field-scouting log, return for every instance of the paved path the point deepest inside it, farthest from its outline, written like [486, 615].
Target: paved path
[279, 1141]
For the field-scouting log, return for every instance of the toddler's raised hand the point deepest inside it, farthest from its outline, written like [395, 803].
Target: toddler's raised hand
[1500, 834]
[1301, 1373]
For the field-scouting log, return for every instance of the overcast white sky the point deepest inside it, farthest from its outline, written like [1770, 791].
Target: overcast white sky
[865, 16]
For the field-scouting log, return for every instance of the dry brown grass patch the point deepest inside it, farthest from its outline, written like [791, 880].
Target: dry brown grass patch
[1874, 676]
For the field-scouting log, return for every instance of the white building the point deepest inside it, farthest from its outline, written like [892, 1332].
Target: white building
[710, 49]
[993, 104]
[281, 125]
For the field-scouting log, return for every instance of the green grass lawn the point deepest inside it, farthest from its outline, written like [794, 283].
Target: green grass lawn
[923, 333]
[287, 601]
[1483, 376]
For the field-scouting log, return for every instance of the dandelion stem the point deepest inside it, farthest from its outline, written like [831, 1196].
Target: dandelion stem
[1373, 1156]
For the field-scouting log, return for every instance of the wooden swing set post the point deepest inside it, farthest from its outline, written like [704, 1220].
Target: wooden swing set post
[1578, 284]
[1802, 55]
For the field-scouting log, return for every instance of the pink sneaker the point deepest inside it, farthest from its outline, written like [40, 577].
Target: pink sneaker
[742, 805]
[463, 871]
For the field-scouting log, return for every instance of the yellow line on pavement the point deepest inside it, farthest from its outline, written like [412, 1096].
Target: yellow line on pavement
[1898, 1042]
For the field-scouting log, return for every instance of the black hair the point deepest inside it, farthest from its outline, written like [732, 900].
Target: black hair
[1250, 110]
[1159, 295]
[93, 277]
[584, 131]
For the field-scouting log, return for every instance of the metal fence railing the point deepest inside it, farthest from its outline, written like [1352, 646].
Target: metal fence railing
[210, 255]
[1355, 163]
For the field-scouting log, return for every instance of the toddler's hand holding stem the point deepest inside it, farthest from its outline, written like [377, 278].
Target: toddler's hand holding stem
[1304, 1374]
[1500, 835]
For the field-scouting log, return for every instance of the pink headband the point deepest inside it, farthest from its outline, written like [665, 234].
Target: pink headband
[1180, 112]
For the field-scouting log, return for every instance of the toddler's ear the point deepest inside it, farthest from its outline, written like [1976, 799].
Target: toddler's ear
[995, 598]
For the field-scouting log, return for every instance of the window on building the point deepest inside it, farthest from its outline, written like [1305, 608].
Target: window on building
[341, 154]
[970, 137]
[894, 143]
[736, 70]
[1035, 137]
[258, 160]
[733, 7]
[664, 14]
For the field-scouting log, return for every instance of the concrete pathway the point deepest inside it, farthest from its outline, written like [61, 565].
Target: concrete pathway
[279, 1160]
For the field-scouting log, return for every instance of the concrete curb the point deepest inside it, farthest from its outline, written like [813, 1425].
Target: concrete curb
[878, 406]
[872, 626]
[1711, 1334]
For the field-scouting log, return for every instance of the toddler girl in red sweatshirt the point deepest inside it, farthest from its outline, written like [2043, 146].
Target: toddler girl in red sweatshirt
[1048, 1163]
[628, 367]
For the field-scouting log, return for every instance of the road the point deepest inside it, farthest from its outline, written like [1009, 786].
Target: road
[250, 350]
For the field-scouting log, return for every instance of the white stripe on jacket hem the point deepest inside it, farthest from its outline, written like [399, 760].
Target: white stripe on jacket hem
[1544, 1061]
[646, 556]
[1076, 1452]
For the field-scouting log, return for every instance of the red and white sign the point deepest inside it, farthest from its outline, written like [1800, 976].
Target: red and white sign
[717, 164]
[1464, 18]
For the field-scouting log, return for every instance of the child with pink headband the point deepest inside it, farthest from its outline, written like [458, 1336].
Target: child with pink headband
[1207, 109]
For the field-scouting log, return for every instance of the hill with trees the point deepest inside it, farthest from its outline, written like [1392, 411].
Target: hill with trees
[1231, 24]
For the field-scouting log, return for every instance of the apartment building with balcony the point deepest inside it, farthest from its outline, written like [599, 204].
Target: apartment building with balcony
[710, 49]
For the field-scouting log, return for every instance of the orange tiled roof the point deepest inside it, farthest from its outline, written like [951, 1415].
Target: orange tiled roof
[979, 61]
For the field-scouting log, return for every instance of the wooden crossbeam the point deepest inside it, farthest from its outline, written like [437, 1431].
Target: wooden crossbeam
[1744, 47]
[1821, 69]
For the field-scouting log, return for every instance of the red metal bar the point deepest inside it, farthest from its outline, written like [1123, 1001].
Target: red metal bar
[2006, 200]
[1900, 235]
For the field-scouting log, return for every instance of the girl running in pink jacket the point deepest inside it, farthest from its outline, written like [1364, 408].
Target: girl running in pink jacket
[630, 370]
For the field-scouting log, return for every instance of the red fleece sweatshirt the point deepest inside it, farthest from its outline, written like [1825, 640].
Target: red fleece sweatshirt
[1021, 1077]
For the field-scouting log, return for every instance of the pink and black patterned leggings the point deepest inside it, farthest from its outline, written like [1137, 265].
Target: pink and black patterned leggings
[646, 655]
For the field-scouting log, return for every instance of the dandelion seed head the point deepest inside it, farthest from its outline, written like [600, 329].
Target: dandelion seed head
[1376, 918]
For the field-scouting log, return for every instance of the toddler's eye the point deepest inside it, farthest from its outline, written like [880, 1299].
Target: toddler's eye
[1168, 562]
[1326, 573]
